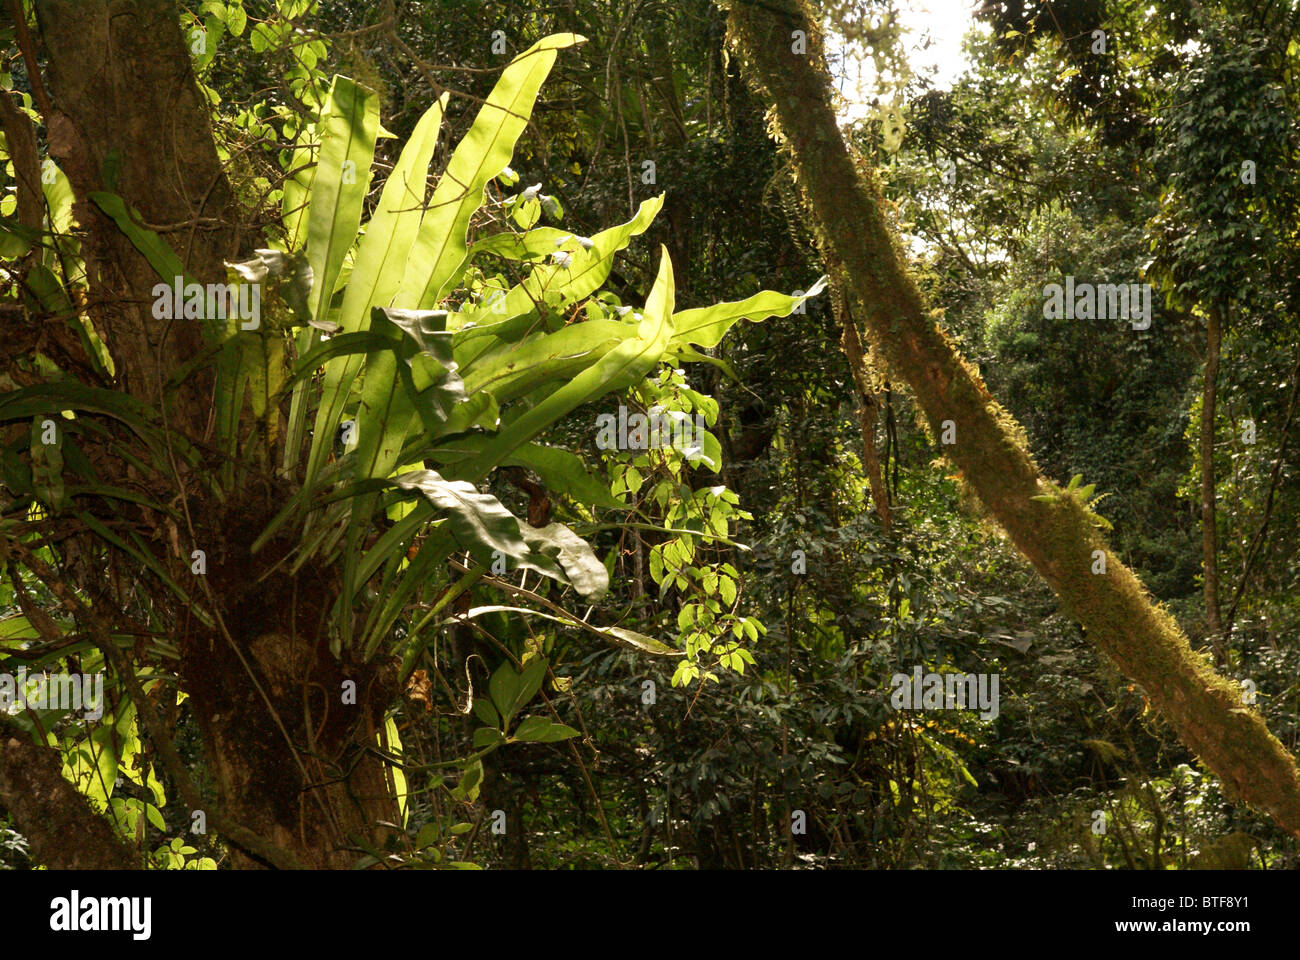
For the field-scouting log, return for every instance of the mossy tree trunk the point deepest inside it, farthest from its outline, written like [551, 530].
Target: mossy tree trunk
[1058, 537]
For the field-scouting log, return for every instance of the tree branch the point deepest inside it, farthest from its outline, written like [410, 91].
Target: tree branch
[1058, 537]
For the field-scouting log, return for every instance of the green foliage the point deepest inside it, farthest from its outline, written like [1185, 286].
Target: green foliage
[609, 647]
[445, 358]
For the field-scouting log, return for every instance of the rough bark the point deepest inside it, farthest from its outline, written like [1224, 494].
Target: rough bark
[1058, 538]
[129, 118]
[62, 830]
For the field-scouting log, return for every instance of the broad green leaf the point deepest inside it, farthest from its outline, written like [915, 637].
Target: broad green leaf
[379, 267]
[542, 730]
[59, 197]
[487, 737]
[478, 521]
[560, 471]
[581, 566]
[339, 184]
[344, 344]
[487, 713]
[347, 148]
[470, 782]
[511, 371]
[564, 472]
[503, 687]
[413, 344]
[531, 245]
[155, 817]
[488, 321]
[530, 681]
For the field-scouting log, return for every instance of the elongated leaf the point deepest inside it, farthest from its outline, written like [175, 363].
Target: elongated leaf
[619, 636]
[412, 346]
[145, 557]
[161, 257]
[433, 554]
[513, 370]
[338, 188]
[350, 123]
[559, 470]
[391, 741]
[618, 369]
[40, 398]
[531, 245]
[706, 326]
[441, 248]
[478, 521]
[18, 628]
[342, 345]
[581, 565]
[497, 319]
[379, 266]
[297, 187]
[426, 368]
[59, 196]
[50, 292]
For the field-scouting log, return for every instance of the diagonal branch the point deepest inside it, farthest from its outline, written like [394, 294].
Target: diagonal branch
[1057, 537]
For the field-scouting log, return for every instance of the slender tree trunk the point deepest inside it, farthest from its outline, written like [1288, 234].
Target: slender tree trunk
[1209, 531]
[1059, 537]
[868, 414]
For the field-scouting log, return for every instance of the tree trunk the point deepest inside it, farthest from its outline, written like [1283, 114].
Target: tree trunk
[291, 751]
[1059, 538]
[1209, 532]
[129, 118]
[868, 414]
[64, 833]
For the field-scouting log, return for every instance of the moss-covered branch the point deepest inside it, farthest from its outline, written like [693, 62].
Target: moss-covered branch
[1057, 535]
